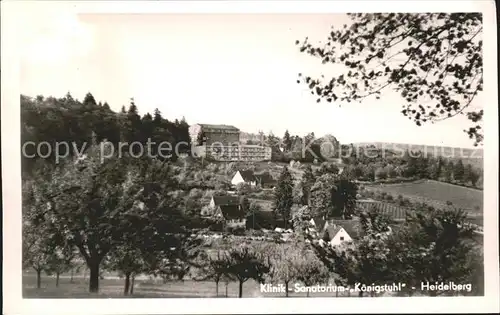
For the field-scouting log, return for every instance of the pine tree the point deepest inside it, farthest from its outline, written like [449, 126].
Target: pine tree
[470, 175]
[287, 142]
[448, 171]
[439, 168]
[411, 167]
[146, 133]
[321, 197]
[89, 101]
[184, 138]
[344, 198]
[284, 195]
[132, 125]
[458, 171]
[157, 116]
[307, 182]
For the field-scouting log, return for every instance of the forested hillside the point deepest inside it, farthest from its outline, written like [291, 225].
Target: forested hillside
[67, 123]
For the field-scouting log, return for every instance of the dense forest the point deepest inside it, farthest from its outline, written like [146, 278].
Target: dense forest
[67, 123]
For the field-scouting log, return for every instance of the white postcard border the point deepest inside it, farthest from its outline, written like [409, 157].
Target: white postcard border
[11, 166]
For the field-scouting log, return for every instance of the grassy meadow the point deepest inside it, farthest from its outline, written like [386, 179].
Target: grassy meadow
[437, 194]
[145, 288]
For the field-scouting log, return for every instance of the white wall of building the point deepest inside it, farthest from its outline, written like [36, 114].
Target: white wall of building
[237, 179]
[340, 237]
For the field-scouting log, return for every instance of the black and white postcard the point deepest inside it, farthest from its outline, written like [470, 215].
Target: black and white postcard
[249, 157]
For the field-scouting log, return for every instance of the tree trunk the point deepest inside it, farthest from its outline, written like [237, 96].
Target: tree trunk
[360, 294]
[336, 293]
[240, 293]
[38, 278]
[286, 288]
[72, 272]
[226, 287]
[307, 293]
[57, 279]
[94, 277]
[217, 288]
[132, 285]
[127, 283]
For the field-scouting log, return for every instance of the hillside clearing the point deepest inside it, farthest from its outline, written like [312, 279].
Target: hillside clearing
[436, 194]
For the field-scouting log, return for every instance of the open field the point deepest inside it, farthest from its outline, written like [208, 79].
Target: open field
[468, 156]
[113, 288]
[436, 193]
[394, 211]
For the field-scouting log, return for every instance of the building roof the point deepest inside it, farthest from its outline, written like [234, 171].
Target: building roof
[319, 222]
[265, 178]
[247, 175]
[226, 201]
[333, 226]
[332, 231]
[252, 146]
[352, 227]
[231, 212]
[225, 127]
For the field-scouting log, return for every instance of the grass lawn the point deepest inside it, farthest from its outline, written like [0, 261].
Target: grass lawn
[437, 194]
[113, 288]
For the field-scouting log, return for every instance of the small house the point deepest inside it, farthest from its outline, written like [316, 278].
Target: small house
[335, 231]
[336, 235]
[246, 177]
[227, 208]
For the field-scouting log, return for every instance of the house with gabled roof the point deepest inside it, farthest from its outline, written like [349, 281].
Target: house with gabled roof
[336, 235]
[264, 180]
[227, 208]
[244, 177]
[335, 230]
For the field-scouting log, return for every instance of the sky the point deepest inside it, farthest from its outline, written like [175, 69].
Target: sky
[236, 69]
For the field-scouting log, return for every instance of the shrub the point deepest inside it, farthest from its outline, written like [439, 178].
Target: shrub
[236, 231]
[258, 233]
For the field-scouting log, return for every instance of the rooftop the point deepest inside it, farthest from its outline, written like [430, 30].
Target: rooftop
[231, 212]
[252, 146]
[265, 178]
[334, 225]
[225, 127]
[333, 230]
[352, 227]
[226, 200]
[247, 175]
